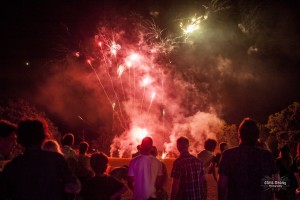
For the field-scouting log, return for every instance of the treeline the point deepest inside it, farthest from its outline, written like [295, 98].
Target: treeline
[282, 128]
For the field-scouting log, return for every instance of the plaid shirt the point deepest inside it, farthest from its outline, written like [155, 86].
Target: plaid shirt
[189, 170]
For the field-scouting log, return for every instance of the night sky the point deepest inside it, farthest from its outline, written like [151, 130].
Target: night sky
[260, 40]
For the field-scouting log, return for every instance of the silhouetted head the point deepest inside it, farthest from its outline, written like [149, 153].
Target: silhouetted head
[223, 146]
[7, 137]
[7, 128]
[146, 145]
[183, 144]
[248, 132]
[210, 145]
[68, 139]
[154, 151]
[99, 162]
[51, 145]
[83, 147]
[285, 151]
[32, 132]
[298, 149]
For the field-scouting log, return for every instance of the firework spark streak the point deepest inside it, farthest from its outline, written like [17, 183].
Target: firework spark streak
[99, 80]
[152, 97]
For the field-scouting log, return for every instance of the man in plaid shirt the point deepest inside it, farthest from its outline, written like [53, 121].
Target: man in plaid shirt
[187, 174]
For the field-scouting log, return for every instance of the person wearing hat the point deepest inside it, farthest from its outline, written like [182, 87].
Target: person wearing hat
[145, 173]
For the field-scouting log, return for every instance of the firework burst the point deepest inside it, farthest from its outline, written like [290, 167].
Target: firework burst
[145, 97]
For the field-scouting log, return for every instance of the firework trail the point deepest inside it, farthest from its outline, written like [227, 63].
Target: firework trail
[152, 98]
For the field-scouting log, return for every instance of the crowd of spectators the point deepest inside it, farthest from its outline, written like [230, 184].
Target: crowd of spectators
[54, 170]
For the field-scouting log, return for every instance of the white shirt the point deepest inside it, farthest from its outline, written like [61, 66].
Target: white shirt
[144, 169]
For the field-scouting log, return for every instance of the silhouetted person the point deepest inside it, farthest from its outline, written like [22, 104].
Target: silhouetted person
[223, 146]
[287, 167]
[101, 186]
[297, 163]
[83, 171]
[207, 158]
[69, 152]
[7, 140]
[145, 173]
[52, 145]
[243, 168]
[36, 174]
[161, 192]
[297, 157]
[187, 174]
[120, 173]
[138, 148]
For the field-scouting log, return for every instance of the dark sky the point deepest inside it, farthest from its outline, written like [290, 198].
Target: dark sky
[33, 33]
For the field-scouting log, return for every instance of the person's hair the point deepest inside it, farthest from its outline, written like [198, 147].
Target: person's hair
[99, 162]
[51, 145]
[32, 132]
[210, 144]
[68, 139]
[248, 131]
[83, 147]
[182, 144]
[223, 146]
[146, 145]
[7, 128]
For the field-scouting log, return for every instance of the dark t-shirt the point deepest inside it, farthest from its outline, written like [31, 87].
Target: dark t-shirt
[35, 175]
[100, 188]
[245, 167]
